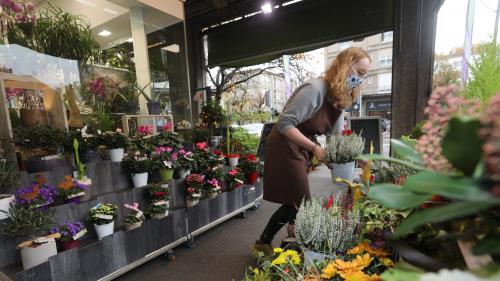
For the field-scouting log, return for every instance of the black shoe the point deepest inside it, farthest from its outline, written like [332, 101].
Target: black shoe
[265, 248]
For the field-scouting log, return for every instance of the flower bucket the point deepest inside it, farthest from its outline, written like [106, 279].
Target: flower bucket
[116, 155]
[5, 205]
[192, 202]
[33, 256]
[233, 161]
[252, 177]
[344, 171]
[104, 229]
[159, 215]
[184, 173]
[166, 174]
[311, 256]
[132, 226]
[68, 245]
[140, 179]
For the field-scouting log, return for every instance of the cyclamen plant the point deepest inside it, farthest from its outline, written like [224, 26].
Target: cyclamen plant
[235, 178]
[213, 185]
[185, 159]
[69, 230]
[165, 157]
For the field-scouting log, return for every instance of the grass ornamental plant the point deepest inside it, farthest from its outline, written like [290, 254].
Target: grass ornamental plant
[345, 147]
[8, 178]
[102, 214]
[27, 221]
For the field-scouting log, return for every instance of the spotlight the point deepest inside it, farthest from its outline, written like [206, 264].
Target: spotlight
[267, 8]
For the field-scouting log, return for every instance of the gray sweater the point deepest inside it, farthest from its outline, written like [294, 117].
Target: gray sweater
[303, 104]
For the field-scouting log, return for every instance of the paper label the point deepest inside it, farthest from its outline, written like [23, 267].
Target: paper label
[216, 188]
[196, 195]
[50, 157]
[75, 195]
[175, 133]
[104, 217]
[42, 240]
[165, 185]
[147, 137]
[80, 234]
[190, 159]
[159, 203]
[167, 164]
[139, 214]
[238, 181]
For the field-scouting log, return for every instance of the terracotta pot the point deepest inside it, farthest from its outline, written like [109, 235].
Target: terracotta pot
[72, 244]
[252, 177]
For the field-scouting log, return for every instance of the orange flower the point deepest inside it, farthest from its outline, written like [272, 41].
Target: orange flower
[365, 247]
[31, 195]
[67, 183]
[40, 179]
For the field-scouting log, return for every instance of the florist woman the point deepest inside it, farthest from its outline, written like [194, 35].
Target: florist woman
[313, 109]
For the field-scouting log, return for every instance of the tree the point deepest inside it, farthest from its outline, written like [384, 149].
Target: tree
[445, 74]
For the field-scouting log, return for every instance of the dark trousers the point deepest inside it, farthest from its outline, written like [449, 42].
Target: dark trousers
[284, 214]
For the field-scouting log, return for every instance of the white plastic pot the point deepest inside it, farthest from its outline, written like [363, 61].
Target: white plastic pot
[104, 229]
[184, 173]
[344, 171]
[5, 206]
[312, 256]
[116, 155]
[131, 226]
[140, 179]
[32, 257]
[192, 202]
[233, 161]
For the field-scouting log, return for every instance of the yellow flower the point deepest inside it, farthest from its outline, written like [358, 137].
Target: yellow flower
[287, 256]
[256, 271]
[354, 276]
[329, 271]
[278, 250]
[364, 260]
[374, 277]
[359, 249]
[279, 260]
[387, 262]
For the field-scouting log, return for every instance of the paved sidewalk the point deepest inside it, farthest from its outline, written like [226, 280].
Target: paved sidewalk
[224, 252]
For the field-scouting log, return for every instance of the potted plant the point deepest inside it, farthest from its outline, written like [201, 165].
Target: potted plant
[251, 168]
[153, 100]
[158, 195]
[32, 109]
[70, 232]
[39, 194]
[8, 181]
[213, 188]
[71, 190]
[185, 162]
[103, 216]
[165, 159]
[115, 142]
[81, 179]
[32, 223]
[87, 146]
[40, 146]
[139, 168]
[234, 178]
[194, 185]
[342, 151]
[135, 218]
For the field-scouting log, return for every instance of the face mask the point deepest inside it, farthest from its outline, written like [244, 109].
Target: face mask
[353, 81]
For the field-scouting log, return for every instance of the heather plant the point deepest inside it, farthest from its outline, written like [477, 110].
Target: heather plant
[27, 221]
[345, 147]
[8, 177]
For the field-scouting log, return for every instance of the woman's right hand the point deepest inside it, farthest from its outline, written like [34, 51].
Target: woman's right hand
[320, 154]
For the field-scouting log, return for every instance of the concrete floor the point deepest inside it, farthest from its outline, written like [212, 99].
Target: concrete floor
[224, 252]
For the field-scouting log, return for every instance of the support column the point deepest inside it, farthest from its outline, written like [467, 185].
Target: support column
[413, 60]
[141, 57]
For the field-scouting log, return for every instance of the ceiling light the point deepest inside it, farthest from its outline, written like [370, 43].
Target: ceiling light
[266, 8]
[130, 40]
[104, 33]
[174, 48]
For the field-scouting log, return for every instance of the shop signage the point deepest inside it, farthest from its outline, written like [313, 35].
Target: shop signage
[378, 105]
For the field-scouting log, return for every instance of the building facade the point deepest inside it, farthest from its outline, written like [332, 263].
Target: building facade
[375, 98]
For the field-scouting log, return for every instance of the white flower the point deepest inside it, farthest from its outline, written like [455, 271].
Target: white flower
[447, 275]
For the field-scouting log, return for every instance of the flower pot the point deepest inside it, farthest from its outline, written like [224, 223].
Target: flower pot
[343, 171]
[104, 229]
[192, 202]
[132, 226]
[184, 173]
[116, 155]
[88, 183]
[166, 174]
[159, 215]
[32, 257]
[233, 161]
[71, 244]
[252, 177]
[312, 256]
[5, 200]
[154, 108]
[131, 107]
[32, 117]
[212, 195]
[140, 179]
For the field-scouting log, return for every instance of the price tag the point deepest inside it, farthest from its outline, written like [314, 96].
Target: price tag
[139, 214]
[165, 185]
[238, 181]
[147, 137]
[42, 240]
[104, 217]
[167, 164]
[216, 188]
[196, 195]
[75, 195]
[190, 159]
[160, 203]
[80, 234]
[175, 133]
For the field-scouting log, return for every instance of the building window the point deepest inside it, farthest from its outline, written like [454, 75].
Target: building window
[384, 83]
[344, 45]
[385, 61]
[369, 80]
[386, 36]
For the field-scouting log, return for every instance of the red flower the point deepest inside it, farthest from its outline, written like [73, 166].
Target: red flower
[329, 203]
[251, 157]
[217, 152]
[159, 193]
[167, 127]
[346, 132]
[201, 145]
[372, 178]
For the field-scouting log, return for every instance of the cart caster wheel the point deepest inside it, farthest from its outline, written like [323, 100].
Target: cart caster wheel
[242, 215]
[169, 255]
[256, 206]
[190, 242]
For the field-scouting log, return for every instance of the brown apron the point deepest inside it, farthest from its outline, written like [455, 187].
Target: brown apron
[285, 168]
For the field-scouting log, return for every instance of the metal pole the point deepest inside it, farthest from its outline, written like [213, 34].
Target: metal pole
[469, 23]
[496, 24]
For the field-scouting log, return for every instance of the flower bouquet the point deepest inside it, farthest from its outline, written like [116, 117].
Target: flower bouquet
[234, 178]
[38, 194]
[103, 216]
[342, 151]
[70, 233]
[135, 218]
[194, 185]
[71, 190]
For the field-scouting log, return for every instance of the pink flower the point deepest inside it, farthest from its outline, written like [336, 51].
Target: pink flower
[167, 127]
[145, 130]
[201, 145]
[233, 172]
[30, 6]
[118, 130]
[133, 207]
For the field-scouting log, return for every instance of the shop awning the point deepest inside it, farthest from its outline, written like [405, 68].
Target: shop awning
[296, 28]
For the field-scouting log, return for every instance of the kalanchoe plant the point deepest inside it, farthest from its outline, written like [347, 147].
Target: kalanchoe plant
[194, 185]
[157, 192]
[234, 178]
[70, 230]
[71, 188]
[38, 194]
[345, 147]
[27, 221]
[102, 214]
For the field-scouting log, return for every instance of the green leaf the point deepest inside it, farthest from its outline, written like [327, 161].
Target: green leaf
[440, 214]
[378, 157]
[489, 245]
[394, 196]
[461, 144]
[403, 272]
[406, 151]
[457, 188]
